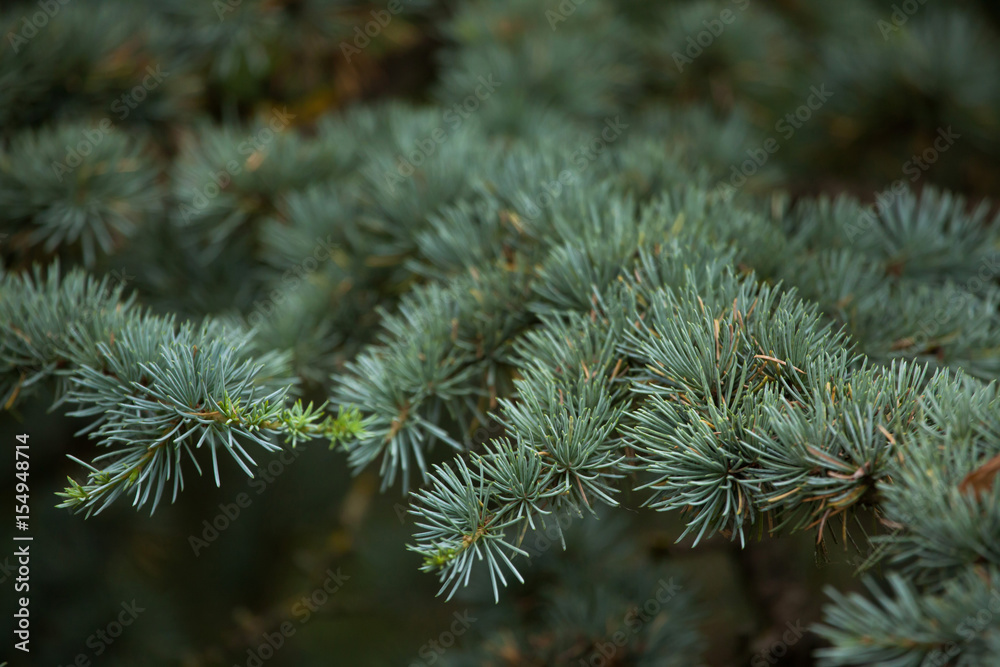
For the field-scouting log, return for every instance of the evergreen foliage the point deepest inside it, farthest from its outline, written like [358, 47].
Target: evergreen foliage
[571, 261]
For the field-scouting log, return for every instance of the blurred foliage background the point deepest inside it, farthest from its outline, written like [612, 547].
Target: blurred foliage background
[174, 88]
